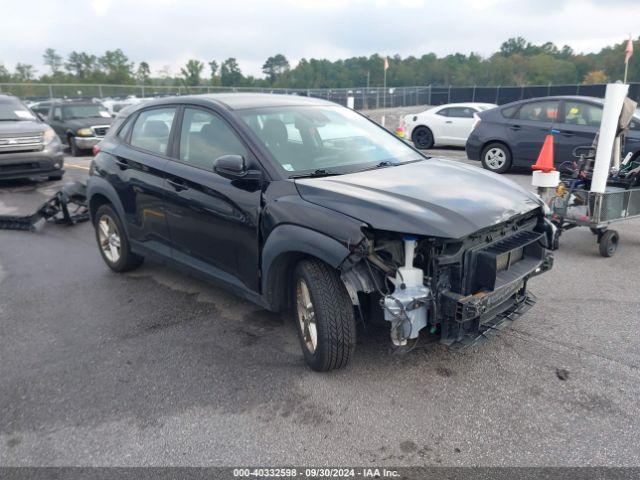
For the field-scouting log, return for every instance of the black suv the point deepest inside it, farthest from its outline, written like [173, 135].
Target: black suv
[28, 147]
[79, 124]
[297, 203]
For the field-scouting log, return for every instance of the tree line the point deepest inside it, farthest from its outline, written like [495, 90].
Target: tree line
[517, 62]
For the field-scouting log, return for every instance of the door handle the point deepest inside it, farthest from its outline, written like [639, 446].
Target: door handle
[448, 121]
[178, 185]
[515, 128]
[122, 163]
[567, 133]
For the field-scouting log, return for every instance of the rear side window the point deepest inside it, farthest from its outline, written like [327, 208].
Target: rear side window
[546, 111]
[152, 128]
[124, 130]
[580, 113]
[444, 112]
[205, 137]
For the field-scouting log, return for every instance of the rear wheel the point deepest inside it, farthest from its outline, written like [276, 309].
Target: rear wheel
[113, 242]
[422, 138]
[323, 315]
[496, 158]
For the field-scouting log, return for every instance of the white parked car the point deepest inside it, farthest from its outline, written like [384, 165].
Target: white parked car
[448, 124]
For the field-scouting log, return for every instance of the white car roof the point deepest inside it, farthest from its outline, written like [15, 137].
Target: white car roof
[466, 104]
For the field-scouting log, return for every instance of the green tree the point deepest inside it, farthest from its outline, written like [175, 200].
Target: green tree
[191, 72]
[213, 66]
[53, 61]
[25, 72]
[143, 73]
[5, 76]
[116, 67]
[81, 65]
[230, 74]
[275, 66]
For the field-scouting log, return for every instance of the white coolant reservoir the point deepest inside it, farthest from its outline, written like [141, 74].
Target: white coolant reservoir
[406, 308]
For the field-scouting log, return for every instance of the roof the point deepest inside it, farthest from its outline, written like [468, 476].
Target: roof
[241, 101]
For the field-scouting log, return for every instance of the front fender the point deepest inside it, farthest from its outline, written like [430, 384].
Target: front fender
[287, 240]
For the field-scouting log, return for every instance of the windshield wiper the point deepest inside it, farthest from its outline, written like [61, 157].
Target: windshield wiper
[385, 163]
[321, 172]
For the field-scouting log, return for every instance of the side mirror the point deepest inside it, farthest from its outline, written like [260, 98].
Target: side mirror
[234, 167]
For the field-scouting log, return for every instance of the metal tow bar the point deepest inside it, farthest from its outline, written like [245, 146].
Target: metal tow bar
[68, 206]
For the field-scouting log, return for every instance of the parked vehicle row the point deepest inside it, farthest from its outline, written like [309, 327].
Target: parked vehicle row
[512, 135]
[301, 205]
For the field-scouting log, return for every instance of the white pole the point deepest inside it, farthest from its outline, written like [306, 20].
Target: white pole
[613, 101]
[384, 93]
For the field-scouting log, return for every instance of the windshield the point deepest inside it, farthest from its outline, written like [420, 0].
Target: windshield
[14, 110]
[70, 112]
[323, 139]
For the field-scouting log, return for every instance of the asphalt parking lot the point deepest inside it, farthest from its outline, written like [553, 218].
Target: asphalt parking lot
[157, 368]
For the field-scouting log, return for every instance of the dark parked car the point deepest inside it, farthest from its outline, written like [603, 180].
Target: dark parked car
[297, 203]
[79, 124]
[28, 147]
[512, 135]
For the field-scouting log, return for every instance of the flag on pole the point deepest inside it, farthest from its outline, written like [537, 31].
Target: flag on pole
[386, 62]
[629, 51]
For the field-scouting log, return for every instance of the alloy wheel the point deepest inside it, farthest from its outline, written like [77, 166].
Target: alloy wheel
[306, 316]
[109, 237]
[495, 158]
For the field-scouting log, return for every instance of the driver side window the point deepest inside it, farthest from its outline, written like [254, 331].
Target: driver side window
[205, 137]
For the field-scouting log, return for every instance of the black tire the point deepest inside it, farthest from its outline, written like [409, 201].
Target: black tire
[73, 147]
[127, 260]
[608, 243]
[332, 313]
[496, 157]
[422, 138]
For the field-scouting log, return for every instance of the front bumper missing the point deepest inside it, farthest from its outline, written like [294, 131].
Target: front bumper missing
[469, 319]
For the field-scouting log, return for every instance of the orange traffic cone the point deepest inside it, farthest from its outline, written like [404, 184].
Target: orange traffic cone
[400, 129]
[545, 159]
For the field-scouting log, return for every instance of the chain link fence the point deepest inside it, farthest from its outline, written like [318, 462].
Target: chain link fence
[364, 98]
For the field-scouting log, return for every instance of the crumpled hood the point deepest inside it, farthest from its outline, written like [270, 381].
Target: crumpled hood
[433, 197]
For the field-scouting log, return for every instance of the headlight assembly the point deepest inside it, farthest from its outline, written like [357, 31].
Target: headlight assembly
[85, 132]
[49, 135]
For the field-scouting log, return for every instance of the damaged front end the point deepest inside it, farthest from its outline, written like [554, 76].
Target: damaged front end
[462, 289]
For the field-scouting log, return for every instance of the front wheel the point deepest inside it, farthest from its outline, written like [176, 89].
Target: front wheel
[496, 158]
[608, 243]
[324, 316]
[73, 147]
[113, 242]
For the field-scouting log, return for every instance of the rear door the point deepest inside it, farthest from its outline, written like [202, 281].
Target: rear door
[528, 128]
[213, 220]
[580, 122]
[140, 180]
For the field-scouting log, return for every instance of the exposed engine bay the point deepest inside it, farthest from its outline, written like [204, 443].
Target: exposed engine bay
[460, 288]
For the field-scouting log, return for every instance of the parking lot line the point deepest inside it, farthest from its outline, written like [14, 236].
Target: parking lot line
[81, 167]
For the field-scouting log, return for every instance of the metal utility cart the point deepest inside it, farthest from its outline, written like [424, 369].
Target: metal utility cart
[578, 207]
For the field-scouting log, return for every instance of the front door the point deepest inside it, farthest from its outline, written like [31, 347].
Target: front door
[458, 125]
[528, 129]
[213, 221]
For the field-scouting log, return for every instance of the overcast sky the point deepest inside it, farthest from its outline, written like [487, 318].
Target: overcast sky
[169, 32]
